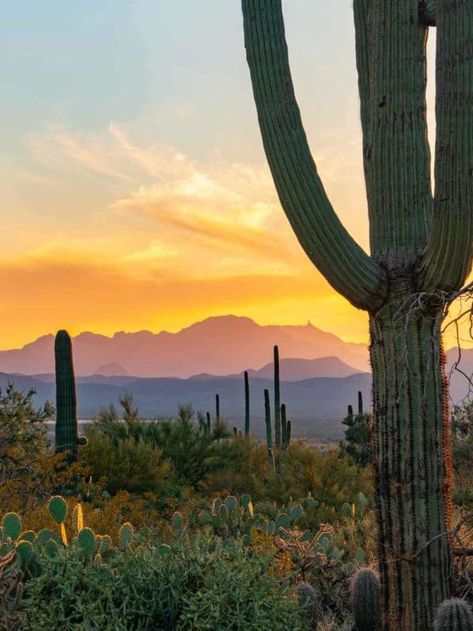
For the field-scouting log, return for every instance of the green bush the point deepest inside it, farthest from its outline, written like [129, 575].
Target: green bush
[201, 584]
[126, 464]
[329, 477]
[22, 433]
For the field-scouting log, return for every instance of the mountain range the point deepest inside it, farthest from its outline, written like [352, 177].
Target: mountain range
[321, 374]
[219, 346]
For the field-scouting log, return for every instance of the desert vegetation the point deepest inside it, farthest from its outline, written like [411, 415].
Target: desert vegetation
[186, 524]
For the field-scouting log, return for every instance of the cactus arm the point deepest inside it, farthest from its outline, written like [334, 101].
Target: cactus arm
[283, 426]
[448, 256]
[327, 243]
[396, 142]
[360, 12]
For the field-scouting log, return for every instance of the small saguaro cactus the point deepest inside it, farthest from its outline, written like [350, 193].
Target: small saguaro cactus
[67, 434]
[217, 408]
[247, 404]
[267, 420]
[454, 614]
[277, 400]
[209, 422]
[365, 596]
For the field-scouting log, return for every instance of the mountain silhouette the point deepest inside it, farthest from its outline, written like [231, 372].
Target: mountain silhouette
[219, 346]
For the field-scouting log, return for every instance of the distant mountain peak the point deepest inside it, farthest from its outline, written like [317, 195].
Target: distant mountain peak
[114, 369]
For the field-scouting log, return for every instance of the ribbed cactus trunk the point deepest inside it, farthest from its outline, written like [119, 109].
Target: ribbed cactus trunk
[421, 254]
[67, 436]
[411, 454]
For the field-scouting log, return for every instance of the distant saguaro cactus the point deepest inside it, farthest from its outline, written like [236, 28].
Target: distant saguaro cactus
[421, 255]
[247, 404]
[67, 432]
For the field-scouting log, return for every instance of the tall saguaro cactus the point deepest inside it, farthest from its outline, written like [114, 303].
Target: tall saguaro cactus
[421, 254]
[67, 434]
[247, 404]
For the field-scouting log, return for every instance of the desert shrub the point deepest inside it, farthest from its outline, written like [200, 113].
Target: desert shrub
[245, 469]
[462, 446]
[127, 463]
[22, 433]
[197, 584]
[11, 590]
[329, 477]
[192, 451]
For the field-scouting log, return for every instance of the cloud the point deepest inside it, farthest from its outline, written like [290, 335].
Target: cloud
[214, 214]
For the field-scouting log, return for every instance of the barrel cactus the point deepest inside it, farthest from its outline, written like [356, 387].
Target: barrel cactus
[454, 614]
[365, 597]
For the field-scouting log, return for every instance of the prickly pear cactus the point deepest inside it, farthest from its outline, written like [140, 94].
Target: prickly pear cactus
[454, 615]
[87, 542]
[11, 526]
[125, 536]
[57, 508]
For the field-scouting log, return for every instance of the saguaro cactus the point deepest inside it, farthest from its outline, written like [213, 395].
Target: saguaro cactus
[421, 254]
[67, 432]
[247, 404]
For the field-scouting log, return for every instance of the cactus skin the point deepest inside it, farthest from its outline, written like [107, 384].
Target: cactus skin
[247, 404]
[454, 614]
[365, 596]
[67, 431]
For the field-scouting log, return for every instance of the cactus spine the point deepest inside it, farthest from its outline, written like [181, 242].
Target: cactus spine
[67, 431]
[454, 615]
[365, 596]
[247, 404]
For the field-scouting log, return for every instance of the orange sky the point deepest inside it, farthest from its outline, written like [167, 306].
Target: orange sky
[134, 189]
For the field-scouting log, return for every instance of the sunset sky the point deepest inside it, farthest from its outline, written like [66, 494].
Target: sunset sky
[135, 192]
